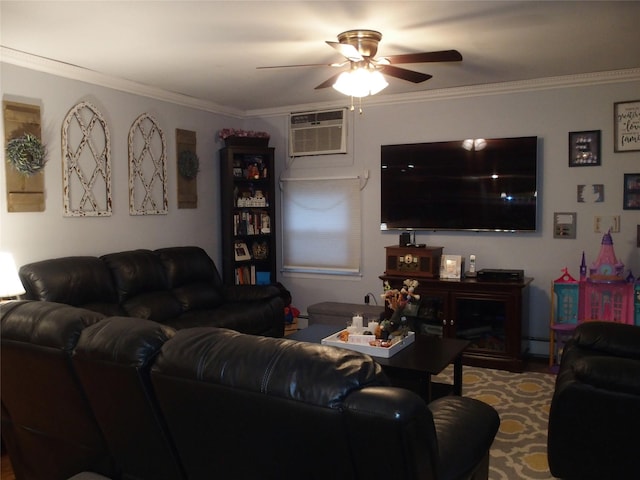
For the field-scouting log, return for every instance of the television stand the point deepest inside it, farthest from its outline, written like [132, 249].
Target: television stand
[491, 315]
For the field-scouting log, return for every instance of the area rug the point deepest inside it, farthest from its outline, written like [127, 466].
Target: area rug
[522, 401]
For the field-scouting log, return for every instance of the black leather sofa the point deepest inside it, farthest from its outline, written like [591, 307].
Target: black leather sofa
[178, 286]
[594, 418]
[139, 400]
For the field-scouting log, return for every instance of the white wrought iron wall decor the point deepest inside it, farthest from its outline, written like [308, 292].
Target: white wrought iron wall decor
[147, 168]
[86, 163]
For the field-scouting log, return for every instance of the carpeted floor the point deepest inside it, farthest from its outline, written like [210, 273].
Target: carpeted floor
[522, 401]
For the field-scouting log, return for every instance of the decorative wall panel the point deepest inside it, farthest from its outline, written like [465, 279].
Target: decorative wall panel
[86, 163]
[147, 168]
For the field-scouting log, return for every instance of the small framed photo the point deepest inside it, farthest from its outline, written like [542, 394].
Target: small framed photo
[584, 148]
[631, 191]
[241, 251]
[451, 266]
[565, 224]
[626, 122]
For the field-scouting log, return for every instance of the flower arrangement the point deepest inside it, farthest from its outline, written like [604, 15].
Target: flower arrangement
[236, 132]
[26, 154]
[397, 300]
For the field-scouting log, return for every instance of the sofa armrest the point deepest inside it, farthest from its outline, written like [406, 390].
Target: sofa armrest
[250, 293]
[609, 373]
[610, 338]
[465, 429]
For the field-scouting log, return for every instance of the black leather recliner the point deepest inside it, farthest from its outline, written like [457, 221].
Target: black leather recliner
[241, 406]
[595, 412]
[113, 359]
[133, 399]
[47, 423]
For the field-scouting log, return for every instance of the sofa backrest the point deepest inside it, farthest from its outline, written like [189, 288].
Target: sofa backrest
[142, 285]
[113, 359]
[291, 407]
[54, 429]
[79, 281]
[192, 277]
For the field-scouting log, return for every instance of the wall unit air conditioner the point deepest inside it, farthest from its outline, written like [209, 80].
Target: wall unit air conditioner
[318, 133]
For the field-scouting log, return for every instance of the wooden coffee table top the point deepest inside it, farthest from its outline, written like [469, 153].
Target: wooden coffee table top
[428, 354]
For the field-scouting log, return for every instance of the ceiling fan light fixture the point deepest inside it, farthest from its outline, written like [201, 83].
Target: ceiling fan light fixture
[360, 82]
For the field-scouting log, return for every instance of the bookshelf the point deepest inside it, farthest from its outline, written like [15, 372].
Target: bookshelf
[248, 215]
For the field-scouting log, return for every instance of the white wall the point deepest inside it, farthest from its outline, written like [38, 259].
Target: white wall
[549, 114]
[40, 235]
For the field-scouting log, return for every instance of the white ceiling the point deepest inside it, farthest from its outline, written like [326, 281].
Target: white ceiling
[209, 50]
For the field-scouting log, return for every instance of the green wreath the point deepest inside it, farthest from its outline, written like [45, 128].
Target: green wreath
[188, 164]
[26, 154]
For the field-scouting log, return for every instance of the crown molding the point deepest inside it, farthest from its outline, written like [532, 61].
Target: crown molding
[74, 72]
[66, 70]
[502, 88]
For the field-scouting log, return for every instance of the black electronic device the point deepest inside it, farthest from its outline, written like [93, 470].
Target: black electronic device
[483, 186]
[405, 239]
[500, 275]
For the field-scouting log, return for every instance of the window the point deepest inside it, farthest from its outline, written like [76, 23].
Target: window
[321, 225]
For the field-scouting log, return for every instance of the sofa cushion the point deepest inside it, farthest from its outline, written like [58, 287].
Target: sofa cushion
[79, 281]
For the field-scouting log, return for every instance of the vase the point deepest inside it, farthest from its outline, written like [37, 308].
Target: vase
[246, 141]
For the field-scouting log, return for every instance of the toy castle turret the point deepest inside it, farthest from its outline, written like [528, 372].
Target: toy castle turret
[606, 268]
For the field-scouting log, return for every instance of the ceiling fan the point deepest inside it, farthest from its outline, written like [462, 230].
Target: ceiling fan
[359, 47]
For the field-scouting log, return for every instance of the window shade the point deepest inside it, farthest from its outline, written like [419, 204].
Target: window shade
[321, 225]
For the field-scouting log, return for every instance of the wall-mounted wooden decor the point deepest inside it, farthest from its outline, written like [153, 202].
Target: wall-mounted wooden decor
[86, 163]
[24, 193]
[187, 167]
[147, 168]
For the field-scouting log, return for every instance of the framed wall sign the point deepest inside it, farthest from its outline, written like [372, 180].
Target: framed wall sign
[584, 148]
[631, 191]
[626, 122]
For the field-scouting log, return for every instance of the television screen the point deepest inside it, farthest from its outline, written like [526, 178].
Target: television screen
[480, 185]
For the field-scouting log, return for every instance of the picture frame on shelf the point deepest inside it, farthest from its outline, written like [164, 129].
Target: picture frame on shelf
[631, 191]
[584, 148]
[626, 123]
[451, 266]
[241, 252]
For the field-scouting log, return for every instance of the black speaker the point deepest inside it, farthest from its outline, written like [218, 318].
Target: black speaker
[405, 239]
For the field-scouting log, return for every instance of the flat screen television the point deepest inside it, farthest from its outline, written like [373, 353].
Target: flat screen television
[478, 185]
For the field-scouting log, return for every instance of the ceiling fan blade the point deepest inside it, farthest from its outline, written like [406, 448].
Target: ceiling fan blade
[347, 50]
[305, 65]
[404, 74]
[329, 82]
[442, 56]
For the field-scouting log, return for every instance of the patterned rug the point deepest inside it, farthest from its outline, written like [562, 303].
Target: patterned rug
[522, 401]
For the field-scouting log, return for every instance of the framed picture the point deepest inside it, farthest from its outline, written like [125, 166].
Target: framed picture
[626, 122]
[565, 224]
[241, 251]
[451, 266]
[584, 148]
[631, 191]
[591, 193]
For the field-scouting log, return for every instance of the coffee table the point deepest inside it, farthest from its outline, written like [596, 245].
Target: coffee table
[413, 366]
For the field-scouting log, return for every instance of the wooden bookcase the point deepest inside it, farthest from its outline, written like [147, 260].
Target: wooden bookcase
[248, 215]
[492, 315]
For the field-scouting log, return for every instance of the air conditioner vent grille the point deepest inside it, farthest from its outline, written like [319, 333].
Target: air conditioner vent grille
[317, 133]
